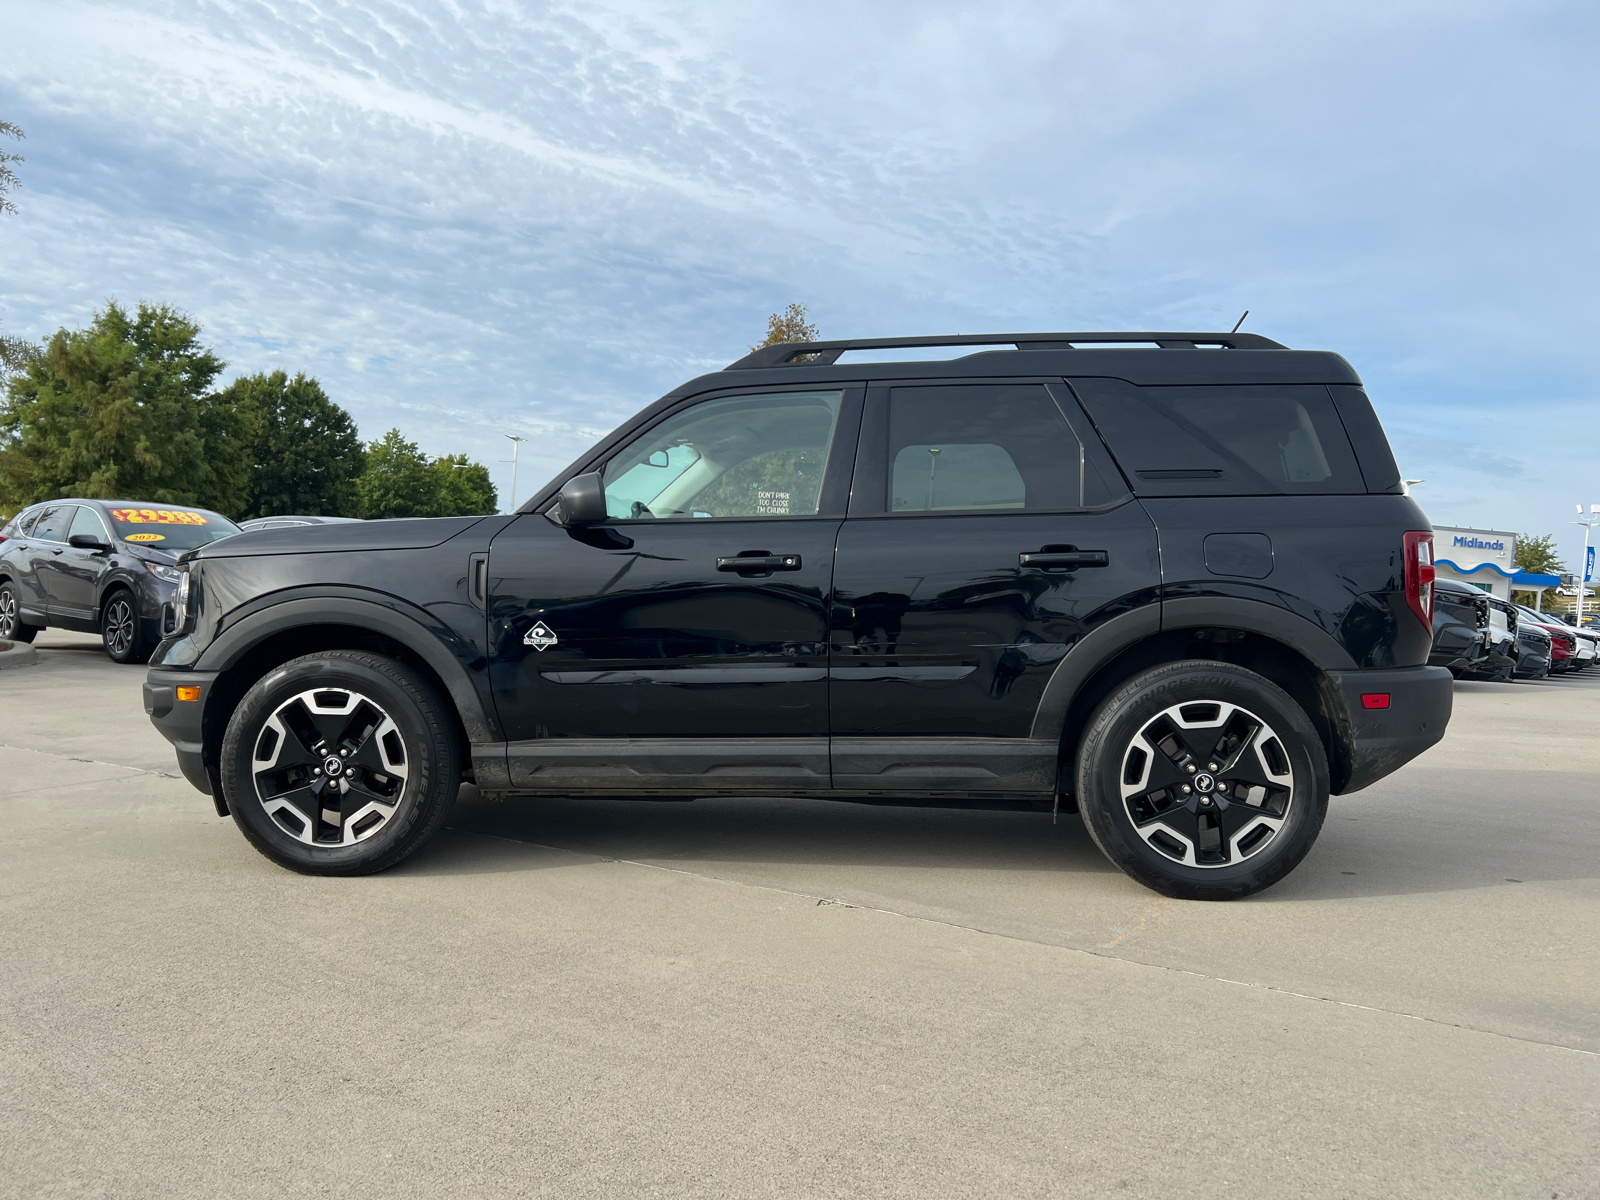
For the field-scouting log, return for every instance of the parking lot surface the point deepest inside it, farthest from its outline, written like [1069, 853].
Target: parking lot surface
[793, 998]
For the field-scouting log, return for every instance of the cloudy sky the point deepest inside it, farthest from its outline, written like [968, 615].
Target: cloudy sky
[478, 217]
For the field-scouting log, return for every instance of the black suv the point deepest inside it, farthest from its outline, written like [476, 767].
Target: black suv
[1177, 587]
[98, 566]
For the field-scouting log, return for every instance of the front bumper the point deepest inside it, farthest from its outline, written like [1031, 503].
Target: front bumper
[1385, 739]
[182, 722]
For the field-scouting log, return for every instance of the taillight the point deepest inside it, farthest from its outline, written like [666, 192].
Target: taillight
[1420, 575]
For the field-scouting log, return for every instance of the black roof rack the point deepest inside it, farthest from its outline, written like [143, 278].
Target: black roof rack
[823, 353]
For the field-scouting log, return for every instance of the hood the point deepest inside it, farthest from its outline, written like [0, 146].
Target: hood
[416, 533]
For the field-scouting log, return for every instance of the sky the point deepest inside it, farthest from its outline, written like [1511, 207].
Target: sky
[470, 218]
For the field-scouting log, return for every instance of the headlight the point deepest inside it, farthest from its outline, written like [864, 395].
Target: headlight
[164, 573]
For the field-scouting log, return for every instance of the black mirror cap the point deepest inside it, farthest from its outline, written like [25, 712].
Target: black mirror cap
[86, 541]
[582, 500]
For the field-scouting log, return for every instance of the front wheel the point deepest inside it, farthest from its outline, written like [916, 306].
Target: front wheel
[122, 630]
[340, 763]
[1202, 780]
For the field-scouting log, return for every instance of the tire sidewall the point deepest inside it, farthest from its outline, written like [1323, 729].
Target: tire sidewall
[424, 768]
[1127, 710]
[23, 631]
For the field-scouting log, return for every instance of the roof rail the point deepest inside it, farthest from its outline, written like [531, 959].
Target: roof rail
[823, 353]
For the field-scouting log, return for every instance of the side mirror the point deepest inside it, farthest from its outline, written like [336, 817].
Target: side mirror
[87, 541]
[582, 501]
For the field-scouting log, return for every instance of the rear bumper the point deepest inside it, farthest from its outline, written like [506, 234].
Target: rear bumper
[1384, 739]
[182, 722]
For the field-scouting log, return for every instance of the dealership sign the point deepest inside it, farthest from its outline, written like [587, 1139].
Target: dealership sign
[1467, 549]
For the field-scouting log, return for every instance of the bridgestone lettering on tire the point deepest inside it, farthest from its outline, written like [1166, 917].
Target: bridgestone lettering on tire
[341, 763]
[1202, 780]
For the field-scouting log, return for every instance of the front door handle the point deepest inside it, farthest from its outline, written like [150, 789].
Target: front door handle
[1065, 558]
[760, 562]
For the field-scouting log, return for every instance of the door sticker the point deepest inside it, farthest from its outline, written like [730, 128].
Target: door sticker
[540, 637]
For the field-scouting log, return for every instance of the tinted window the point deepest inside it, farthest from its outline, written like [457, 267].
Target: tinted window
[981, 448]
[88, 521]
[1224, 439]
[738, 456]
[26, 523]
[170, 528]
[53, 522]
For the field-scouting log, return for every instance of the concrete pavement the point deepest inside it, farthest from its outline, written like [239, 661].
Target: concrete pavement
[793, 998]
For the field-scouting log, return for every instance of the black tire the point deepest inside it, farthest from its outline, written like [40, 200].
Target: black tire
[1251, 841]
[121, 629]
[12, 627]
[394, 797]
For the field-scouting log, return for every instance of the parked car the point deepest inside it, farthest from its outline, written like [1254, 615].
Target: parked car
[1533, 651]
[286, 522]
[1501, 650]
[98, 566]
[1587, 642]
[1181, 591]
[1460, 627]
[1563, 639]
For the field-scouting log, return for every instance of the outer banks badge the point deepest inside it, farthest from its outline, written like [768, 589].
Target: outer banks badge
[541, 637]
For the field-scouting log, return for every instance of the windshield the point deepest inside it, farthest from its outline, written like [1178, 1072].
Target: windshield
[170, 528]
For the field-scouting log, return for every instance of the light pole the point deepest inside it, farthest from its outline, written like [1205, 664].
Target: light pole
[516, 445]
[1588, 522]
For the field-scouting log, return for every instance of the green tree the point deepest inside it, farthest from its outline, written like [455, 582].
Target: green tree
[1538, 555]
[125, 409]
[396, 482]
[462, 488]
[15, 353]
[307, 455]
[399, 481]
[8, 177]
[787, 327]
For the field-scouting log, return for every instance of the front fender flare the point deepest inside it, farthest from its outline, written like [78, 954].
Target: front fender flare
[426, 636]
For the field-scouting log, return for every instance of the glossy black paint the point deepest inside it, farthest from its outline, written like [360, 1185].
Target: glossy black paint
[919, 641]
[1460, 623]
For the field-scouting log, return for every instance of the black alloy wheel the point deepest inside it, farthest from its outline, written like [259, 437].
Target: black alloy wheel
[12, 628]
[340, 763]
[120, 628]
[1202, 780]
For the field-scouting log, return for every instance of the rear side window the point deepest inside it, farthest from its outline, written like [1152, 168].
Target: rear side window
[53, 522]
[1220, 440]
[983, 448]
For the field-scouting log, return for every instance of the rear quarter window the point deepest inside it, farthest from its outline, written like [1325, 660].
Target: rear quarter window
[1224, 439]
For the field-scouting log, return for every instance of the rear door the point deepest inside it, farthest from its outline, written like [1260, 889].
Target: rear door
[986, 536]
[47, 543]
[683, 643]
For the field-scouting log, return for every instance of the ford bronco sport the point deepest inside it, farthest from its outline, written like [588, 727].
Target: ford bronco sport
[1174, 585]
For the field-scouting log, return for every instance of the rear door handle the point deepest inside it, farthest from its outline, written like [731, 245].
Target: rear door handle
[760, 562]
[1065, 558]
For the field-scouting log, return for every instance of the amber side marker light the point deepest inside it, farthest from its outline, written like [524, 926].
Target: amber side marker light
[1368, 699]
[193, 693]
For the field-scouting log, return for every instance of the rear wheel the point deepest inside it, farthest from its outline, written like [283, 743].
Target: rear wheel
[12, 627]
[1202, 780]
[340, 763]
[122, 630]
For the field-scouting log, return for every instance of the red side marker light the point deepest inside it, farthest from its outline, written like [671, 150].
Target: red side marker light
[193, 693]
[1375, 700]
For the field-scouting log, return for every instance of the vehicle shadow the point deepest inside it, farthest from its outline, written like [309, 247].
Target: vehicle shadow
[1441, 833]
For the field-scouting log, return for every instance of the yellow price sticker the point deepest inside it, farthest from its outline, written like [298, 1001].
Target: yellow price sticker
[156, 516]
[145, 537]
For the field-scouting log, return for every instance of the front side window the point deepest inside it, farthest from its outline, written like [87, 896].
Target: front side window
[170, 528]
[737, 456]
[981, 448]
[53, 522]
[88, 521]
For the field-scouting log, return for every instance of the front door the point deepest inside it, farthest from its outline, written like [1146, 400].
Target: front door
[75, 574]
[682, 644]
[987, 533]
